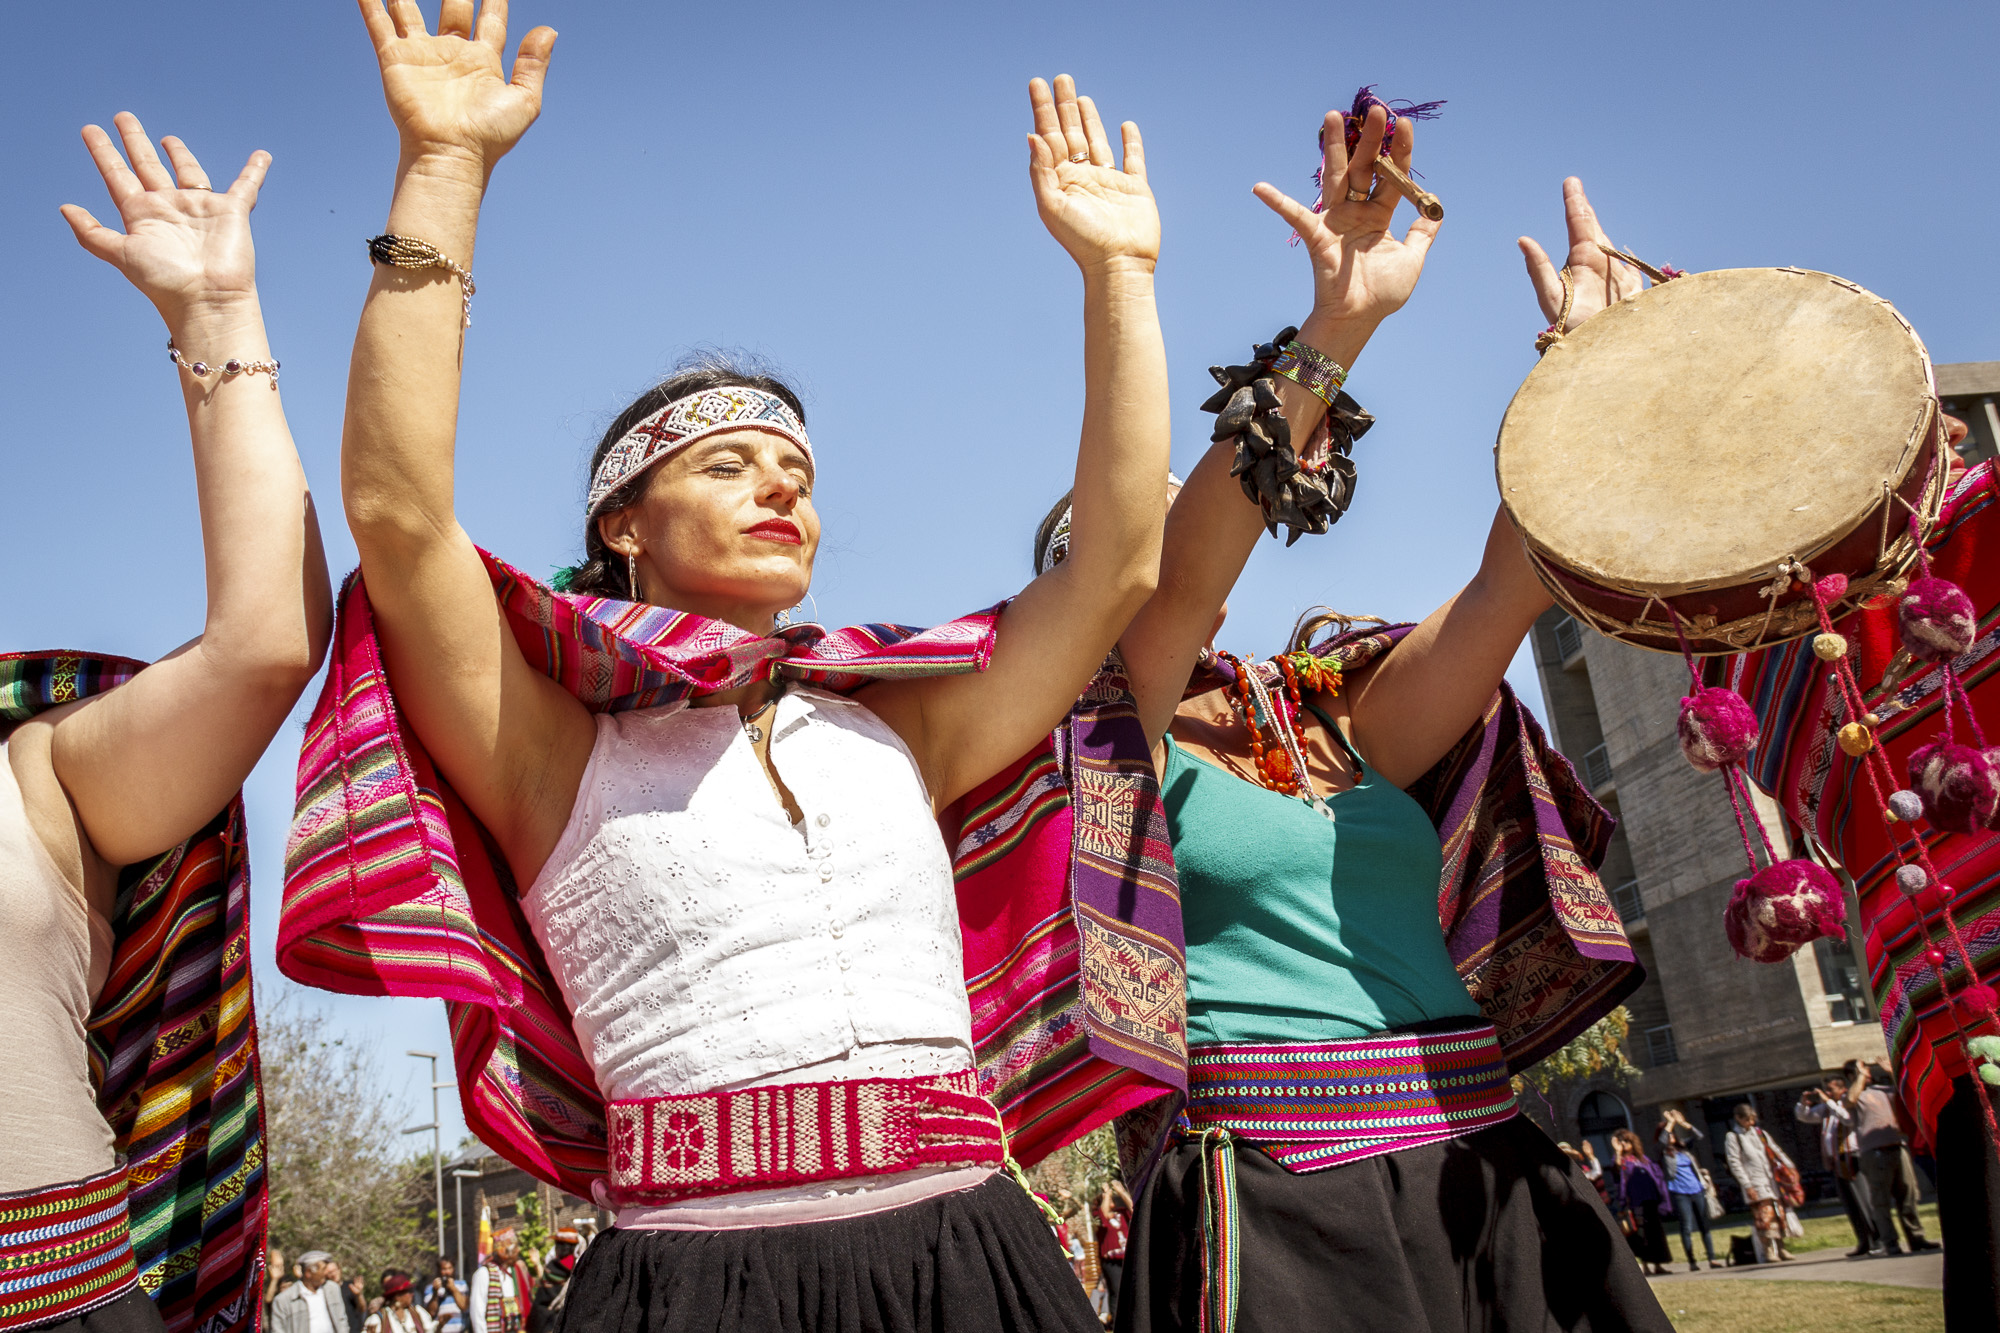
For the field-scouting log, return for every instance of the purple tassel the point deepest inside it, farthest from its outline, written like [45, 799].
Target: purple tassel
[1354, 118]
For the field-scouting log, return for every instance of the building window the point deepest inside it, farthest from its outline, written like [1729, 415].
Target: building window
[1597, 768]
[1840, 977]
[1660, 1046]
[1631, 907]
[1569, 638]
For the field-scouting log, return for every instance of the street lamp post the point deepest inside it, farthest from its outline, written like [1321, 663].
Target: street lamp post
[437, 1139]
[459, 1175]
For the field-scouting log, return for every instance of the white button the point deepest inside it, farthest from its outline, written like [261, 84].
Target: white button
[839, 929]
[844, 960]
[824, 820]
[825, 871]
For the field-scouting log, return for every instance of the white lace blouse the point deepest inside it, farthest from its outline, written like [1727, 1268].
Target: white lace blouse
[704, 942]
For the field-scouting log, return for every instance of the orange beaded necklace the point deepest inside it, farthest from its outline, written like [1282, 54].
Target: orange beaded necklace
[1279, 764]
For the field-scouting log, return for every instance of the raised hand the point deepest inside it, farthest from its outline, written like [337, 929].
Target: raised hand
[449, 94]
[1598, 279]
[1097, 211]
[1361, 272]
[184, 245]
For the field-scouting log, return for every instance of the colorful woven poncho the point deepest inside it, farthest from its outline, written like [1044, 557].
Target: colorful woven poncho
[173, 1048]
[392, 888]
[1799, 762]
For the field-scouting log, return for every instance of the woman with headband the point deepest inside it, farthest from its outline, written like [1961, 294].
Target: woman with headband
[131, 1189]
[716, 832]
[1349, 1155]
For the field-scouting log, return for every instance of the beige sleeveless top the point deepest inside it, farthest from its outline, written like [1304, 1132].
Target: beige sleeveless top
[50, 1129]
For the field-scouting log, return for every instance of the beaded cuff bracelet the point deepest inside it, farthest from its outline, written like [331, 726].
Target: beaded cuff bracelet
[1306, 496]
[229, 369]
[1311, 369]
[409, 252]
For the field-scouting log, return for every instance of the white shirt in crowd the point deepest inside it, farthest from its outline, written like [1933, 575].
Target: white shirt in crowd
[393, 1319]
[482, 1283]
[319, 1320]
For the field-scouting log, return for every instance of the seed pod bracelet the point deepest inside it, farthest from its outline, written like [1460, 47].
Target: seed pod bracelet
[229, 369]
[1307, 497]
[409, 252]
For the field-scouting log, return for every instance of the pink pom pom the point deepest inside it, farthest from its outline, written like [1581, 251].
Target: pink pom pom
[1937, 619]
[1716, 728]
[1782, 907]
[1959, 786]
[1833, 587]
[1977, 1000]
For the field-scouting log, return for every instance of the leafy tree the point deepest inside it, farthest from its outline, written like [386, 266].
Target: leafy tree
[339, 1178]
[1598, 1049]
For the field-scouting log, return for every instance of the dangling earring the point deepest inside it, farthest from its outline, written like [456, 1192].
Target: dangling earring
[632, 576]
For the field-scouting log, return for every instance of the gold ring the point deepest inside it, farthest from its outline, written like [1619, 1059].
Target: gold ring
[209, 188]
[1079, 157]
[1359, 196]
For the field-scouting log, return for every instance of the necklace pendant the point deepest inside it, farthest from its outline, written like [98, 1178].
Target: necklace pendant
[1325, 807]
[753, 731]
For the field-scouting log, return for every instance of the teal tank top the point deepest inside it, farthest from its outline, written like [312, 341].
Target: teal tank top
[1302, 928]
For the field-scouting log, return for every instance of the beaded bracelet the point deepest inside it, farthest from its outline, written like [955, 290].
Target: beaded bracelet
[229, 369]
[1311, 369]
[409, 252]
[1306, 496]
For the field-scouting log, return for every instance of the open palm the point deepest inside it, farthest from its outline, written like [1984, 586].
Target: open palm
[183, 243]
[1095, 209]
[1597, 279]
[450, 91]
[1360, 269]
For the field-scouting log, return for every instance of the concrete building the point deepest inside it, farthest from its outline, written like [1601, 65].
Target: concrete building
[1709, 1029]
[483, 1180]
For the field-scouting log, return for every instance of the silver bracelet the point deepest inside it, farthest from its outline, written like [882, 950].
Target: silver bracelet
[229, 369]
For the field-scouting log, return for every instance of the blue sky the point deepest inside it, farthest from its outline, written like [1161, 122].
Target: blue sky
[843, 189]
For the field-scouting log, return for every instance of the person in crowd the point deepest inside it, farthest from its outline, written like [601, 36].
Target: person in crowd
[1114, 1227]
[400, 1312]
[110, 768]
[350, 1293]
[445, 1297]
[846, 965]
[1755, 1161]
[1688, 1193]
[313, 1304]
[1676, 1129]
[1585, 1157]
[501, 1289]
[565, 1248]
[1884, 1154]
[1826, 1107]
[1643, 1187]
[275, 1274]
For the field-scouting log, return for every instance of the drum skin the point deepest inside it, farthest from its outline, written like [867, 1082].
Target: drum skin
[1682, 448]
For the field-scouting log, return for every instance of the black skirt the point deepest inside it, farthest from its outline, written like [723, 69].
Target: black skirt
[981, 1260]
[1492, 1231]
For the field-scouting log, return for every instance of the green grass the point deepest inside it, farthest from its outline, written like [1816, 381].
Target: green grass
[1740, 1305]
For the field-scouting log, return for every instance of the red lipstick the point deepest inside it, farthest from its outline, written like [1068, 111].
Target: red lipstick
[777, 530]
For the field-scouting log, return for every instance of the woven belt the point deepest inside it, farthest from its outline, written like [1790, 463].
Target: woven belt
[1318, 1105]
[64, 1250]
[664, 1149]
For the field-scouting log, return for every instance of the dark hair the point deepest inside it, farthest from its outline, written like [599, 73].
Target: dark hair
[602, 573]
[1045, 527]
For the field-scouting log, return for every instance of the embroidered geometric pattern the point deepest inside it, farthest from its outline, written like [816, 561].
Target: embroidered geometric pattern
[64, 1250]
[685, 420]
[669, 1148]
[1316, 1105]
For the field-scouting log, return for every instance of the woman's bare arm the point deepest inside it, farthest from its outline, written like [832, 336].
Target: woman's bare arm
[1053, 637]
[1361, 275]
[147, 764]
[509, 740]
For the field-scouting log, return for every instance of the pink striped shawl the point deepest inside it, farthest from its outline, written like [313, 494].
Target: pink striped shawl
[392, 888]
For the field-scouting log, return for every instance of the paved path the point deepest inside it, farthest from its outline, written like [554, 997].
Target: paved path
[1831, 1265]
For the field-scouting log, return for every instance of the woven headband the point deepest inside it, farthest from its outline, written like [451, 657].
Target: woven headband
[1056, 549]
[685, 420]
